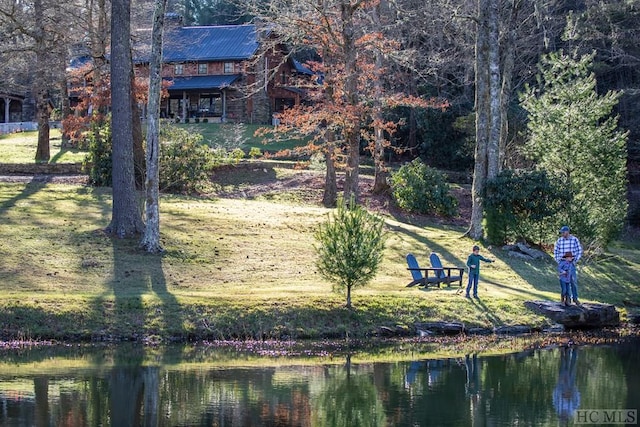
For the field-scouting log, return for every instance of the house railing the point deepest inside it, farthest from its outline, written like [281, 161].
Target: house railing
[24, 126]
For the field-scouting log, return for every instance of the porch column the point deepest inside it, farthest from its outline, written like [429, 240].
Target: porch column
[224, 106]
[6, 109]
[184, 105]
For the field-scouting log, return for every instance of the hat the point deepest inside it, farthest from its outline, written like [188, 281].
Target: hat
[568, 255]
[476, 248]
[564, 228]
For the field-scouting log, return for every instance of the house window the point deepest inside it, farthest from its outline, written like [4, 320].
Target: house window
[228, 68]
[178, 70]
[202, 69]
[283, 77]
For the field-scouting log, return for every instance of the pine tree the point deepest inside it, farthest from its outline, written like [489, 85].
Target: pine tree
[574, 136]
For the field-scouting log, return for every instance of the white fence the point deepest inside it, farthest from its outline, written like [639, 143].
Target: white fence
[24, 126]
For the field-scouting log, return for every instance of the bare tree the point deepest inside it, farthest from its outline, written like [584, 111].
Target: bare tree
[151, 238]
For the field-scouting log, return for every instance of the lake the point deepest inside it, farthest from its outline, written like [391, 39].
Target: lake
[232, 385]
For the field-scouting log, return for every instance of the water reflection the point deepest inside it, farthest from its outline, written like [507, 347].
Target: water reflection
[129, 387]
[566, 396]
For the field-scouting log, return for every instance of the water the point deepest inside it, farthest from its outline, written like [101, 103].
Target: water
[191, 386]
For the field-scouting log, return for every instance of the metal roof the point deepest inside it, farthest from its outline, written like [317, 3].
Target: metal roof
[202, 82]
[210, 43]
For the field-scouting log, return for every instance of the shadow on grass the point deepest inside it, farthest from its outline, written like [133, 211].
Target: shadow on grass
[137, 275]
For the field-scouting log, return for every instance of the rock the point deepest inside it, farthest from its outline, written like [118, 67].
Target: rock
[512, 330]
[522, 251]
[554, 328]
[441, 328]
[479, 331]
[394, 331]
[520, 255]
[587, 315]
[533, 253]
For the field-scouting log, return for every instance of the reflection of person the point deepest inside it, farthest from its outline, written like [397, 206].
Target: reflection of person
[473, 262]
[567, 274]
[566, 397]
[471, 364]
[569, 243]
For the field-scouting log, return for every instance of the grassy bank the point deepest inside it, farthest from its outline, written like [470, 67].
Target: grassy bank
[21, 148]
[243, 268]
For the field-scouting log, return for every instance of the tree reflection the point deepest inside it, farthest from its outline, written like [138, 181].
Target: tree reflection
[348, 398]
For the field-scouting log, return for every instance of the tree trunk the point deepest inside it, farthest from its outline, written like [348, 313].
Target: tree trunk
[348, 296]
[330, 197]
[482, 120]
[65, 109]
[151, 238]
[380, 184]
[495, 130]
[43, 153]
[352, 132]
[126, 220]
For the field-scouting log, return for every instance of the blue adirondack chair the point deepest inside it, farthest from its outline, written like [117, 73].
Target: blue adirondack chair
[422, 276]
[445, 274]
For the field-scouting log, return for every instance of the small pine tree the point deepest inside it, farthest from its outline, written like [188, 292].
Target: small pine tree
[575, 138]
[350, 246]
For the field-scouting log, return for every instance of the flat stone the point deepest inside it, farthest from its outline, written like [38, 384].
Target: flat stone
[439, 328]
[512, 330]
[584, 316]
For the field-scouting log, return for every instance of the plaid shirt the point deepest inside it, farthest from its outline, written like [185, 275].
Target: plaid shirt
[570, 244]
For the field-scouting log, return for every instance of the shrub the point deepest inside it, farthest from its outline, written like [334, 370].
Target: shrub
[521, 205]
[99, 158]
[185, 163]
[419, 188]
[255, 152]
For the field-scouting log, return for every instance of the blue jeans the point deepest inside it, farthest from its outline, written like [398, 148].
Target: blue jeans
[570, 289]
[564, 289]
[473, 280]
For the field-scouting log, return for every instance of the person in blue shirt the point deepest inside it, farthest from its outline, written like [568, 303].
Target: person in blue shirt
[567, 273]
[473, 262]
[567, 242]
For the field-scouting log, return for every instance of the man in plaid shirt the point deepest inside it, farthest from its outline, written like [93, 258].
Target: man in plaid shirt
[569, 243]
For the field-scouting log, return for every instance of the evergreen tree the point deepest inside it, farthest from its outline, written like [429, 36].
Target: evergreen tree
[350, 247]
[574, 136]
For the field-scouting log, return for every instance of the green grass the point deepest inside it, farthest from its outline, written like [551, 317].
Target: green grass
[21, 148]
[240, 268]
[215, 133]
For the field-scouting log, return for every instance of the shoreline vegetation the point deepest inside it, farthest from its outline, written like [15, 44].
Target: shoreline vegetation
[239, 264]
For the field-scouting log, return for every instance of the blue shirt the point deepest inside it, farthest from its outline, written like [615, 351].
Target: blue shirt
[567, 271]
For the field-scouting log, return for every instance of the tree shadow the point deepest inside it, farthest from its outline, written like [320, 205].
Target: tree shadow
[137, 277]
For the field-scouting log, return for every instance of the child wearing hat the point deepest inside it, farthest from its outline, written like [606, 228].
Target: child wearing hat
[567, 273]
[473, 262]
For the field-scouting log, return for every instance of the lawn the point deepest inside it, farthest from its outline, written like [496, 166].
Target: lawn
[228, 133]
[21, 148]
[240, 267]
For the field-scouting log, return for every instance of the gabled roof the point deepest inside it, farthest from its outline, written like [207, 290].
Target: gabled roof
[210, 43]
[202, 82]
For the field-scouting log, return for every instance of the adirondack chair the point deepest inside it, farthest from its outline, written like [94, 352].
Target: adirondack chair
[422, 276]
[445, 274]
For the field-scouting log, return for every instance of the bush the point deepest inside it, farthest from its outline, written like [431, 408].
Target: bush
[255, 152]
[521, 205]
[419, 188]
[99, 159]
[185, 162]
